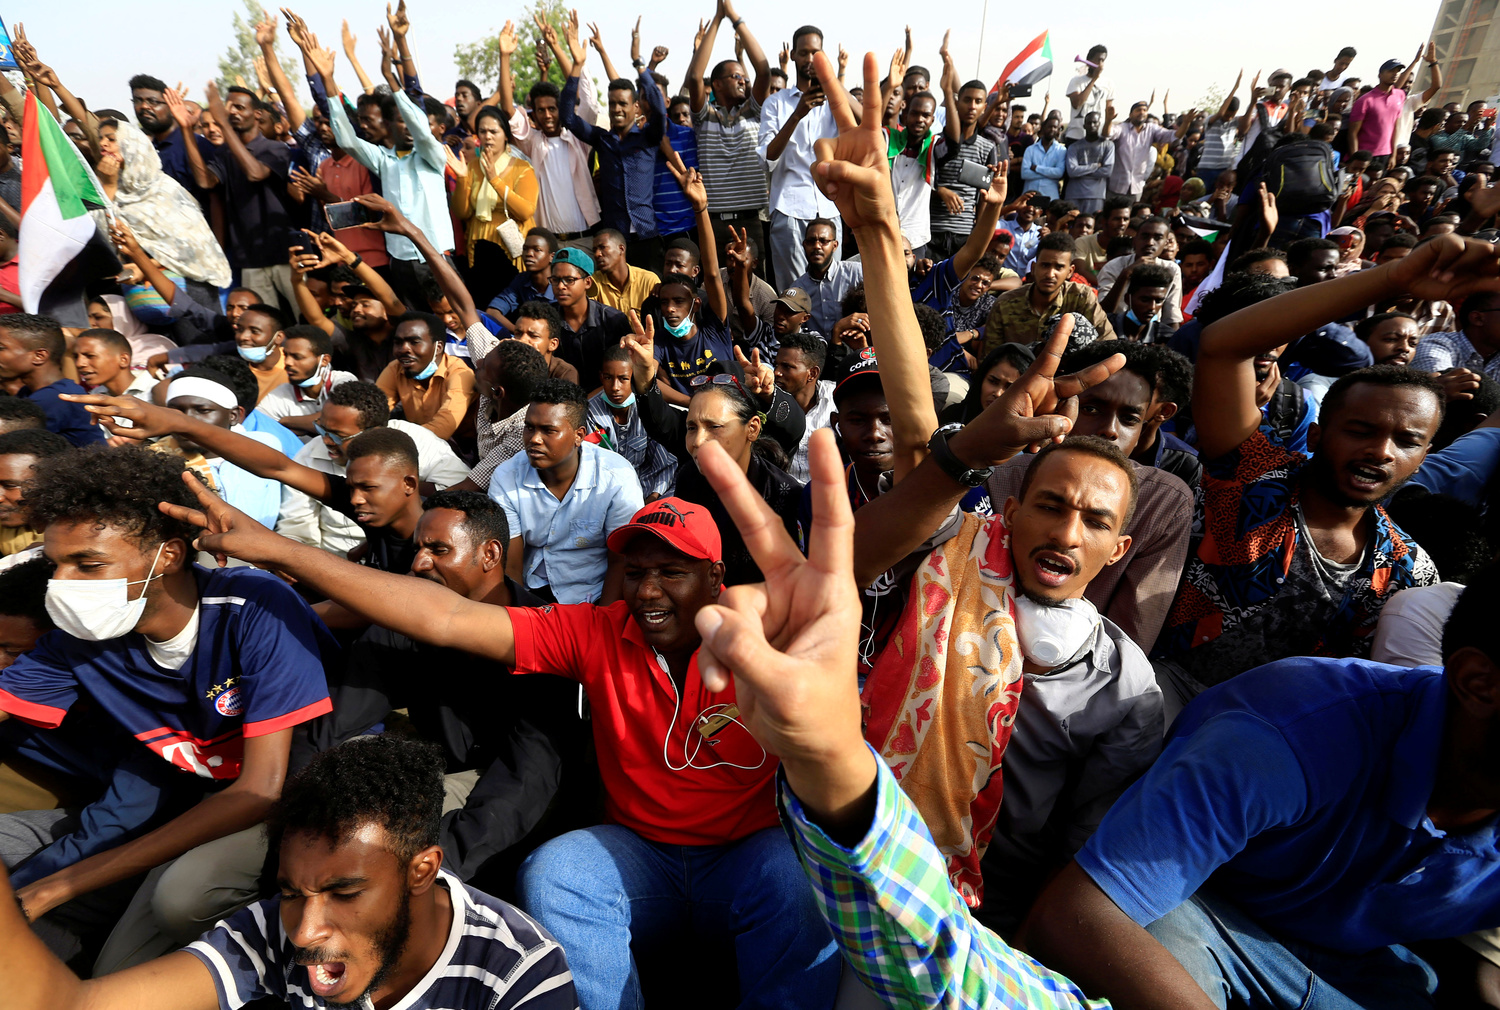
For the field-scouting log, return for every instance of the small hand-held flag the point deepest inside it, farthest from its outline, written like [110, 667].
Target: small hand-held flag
[7, 58]
[57, 193]
[1029, 66]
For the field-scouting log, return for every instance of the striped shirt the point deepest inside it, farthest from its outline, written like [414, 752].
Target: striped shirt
[950, 160]
[496, 957]
[733, 171]
[902, 927]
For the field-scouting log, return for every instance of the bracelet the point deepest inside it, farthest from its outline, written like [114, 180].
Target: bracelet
[736, 24]
[358, 261]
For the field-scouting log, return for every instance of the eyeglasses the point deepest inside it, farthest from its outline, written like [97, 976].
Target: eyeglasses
[337, 440]
[155, 102]
[567, 281]
[722, 379]
[733, 77]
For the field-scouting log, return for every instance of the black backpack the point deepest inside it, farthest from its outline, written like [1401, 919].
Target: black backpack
[1301, 174]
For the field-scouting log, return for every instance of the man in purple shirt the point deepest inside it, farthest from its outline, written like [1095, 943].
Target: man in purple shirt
[1372, 120]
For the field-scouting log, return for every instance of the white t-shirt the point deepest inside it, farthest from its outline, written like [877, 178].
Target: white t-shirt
[175, 651]
[913, 199]
[1103, 91]
[1410, 632]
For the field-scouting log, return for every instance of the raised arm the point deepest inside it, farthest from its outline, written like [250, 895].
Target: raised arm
[350, 41]
[151, 421]
[549, 35]
[713, 284]
[698, 65]
[254, 170]
[422, 611]
[334, 251]
[506, 42]
[447, 279]
[985, 222]
[739, 274]
[1436, 71]
[853, 171]
[265, 37]
[743, 36]
[951, 128]
[46, 77]
[596, 39]
[1448, 268]
[1229, 97]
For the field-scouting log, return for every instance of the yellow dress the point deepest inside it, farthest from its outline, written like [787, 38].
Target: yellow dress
[484, 202]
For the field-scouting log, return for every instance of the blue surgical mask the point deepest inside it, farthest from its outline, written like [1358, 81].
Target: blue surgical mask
[682, 329]
[254, 355]
[426, 373]
[629, 402]
[317, 378]
[1130, 314]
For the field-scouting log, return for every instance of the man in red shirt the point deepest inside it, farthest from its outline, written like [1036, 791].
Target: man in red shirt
[692, 833]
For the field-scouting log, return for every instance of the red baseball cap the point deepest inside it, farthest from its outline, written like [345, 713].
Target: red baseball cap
[682, 525]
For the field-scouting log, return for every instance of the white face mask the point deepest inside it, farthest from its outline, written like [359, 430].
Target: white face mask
[96, 610]
[1051, 636]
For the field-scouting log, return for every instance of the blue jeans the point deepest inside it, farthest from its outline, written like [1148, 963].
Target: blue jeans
[600, 889]
[1237, 962]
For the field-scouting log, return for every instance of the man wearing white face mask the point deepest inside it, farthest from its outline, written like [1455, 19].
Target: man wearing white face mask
[210, 670]
[307, 353]
[258, 335]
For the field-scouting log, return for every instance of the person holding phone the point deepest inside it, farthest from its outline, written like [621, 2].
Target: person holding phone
[495, 189]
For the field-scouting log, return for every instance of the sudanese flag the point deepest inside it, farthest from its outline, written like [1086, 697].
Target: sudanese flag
[57, 192]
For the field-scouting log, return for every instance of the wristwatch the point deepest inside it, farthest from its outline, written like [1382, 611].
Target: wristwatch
[638, 63]
[950, 463]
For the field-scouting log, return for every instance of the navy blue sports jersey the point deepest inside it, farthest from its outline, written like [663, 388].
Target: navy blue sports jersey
[257, 669]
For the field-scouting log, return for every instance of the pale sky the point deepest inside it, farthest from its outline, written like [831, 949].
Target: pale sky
[95, 46]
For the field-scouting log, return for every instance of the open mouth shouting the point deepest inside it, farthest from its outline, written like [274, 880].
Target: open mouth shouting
[325, 977]
[1365, 478]
[1052, 568]
[653, 618]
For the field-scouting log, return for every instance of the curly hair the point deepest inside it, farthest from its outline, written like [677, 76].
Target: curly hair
[386, 780]
[113, 487]
[366, 399]
[23, 592]
[237, 372]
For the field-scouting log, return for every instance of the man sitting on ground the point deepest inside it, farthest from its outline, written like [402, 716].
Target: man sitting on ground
[562, 499]
[365, 914]
[433, 388]
[1018, 315]
[32, 350]
[576, 883]
[614, 415]
[102, 360]
[20, 452]
[799, 373]
[246, 656]
[308, 355]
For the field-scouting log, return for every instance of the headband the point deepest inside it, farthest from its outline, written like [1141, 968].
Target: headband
[205, 388]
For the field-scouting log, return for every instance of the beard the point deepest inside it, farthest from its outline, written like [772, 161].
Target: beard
[1320, 473]
[390, 944]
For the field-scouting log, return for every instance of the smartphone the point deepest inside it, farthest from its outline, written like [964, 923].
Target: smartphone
[972, 173]
[348, 215]
[300, 241]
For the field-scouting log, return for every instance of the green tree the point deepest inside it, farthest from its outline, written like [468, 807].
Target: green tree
[1212, 98]
[480, 61]
[238, 61]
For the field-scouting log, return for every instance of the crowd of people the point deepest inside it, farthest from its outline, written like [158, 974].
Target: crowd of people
[809, 537]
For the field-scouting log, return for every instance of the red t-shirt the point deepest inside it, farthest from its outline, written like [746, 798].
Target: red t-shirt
[633, 700]
[10, 280]
[346, 179]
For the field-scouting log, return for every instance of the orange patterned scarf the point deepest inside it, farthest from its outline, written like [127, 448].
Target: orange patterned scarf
[941, 699]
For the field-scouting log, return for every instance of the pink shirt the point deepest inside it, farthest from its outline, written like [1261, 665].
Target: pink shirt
[1379, 110]
[567, 203]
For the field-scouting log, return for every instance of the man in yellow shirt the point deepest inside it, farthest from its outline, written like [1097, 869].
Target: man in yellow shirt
[434, 389]
[19, 452]
[616, 283]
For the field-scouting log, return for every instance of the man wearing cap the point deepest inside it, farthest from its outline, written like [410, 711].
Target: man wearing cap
[208, 395]
[588, 326]
[1372, 120]
[692, 832]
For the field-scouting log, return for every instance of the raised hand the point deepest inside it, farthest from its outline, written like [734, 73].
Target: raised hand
[640, 342]
[1039, 407]
[391, 219]
[1448, 268]
[297, 30]
[658, 54]
[350, 40]
[1268, 212]
[947, 58]
[227, 532]
[22, 49]
[738, 249]
[322, 60]
[507, 40]
[387, 47]
[702, 31]
[760, 377]
[635, 40]
[692, 185]
[852, 168]
[548, 33]
[843, 61]
[596, 38]
[785, 56]
[571, 37]
[399, 22]
[789, 643]
[897, 73]
[265, 29]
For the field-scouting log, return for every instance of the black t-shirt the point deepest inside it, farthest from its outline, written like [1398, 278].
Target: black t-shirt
[386, 550]
[682, 359]
[584, 349]
[258, 218]
[354, 352]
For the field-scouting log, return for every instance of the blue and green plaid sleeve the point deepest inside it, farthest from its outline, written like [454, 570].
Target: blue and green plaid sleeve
[901, 925]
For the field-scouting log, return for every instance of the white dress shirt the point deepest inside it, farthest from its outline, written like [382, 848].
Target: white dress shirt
[793, 191]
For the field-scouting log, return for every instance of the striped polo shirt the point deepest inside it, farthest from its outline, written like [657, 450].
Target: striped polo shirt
[496, 957]
[728, 156]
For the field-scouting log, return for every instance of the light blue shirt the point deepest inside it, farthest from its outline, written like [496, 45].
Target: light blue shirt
[257, 497]
[1042, 168]
[1023, 249]
[414, 183]
[565, 539]
[826, 294]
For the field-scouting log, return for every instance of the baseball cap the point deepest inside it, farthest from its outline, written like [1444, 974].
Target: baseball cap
[862, 372]
[1281, 72]
[575, 257]
[1392, 65]
[795, 299]
[680, 524]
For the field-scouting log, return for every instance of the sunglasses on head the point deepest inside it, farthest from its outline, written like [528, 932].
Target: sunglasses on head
[722, 379]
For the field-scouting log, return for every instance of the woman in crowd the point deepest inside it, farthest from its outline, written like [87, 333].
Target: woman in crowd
[495, 198]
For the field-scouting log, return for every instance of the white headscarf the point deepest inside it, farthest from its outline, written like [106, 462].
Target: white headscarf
[164, 216]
